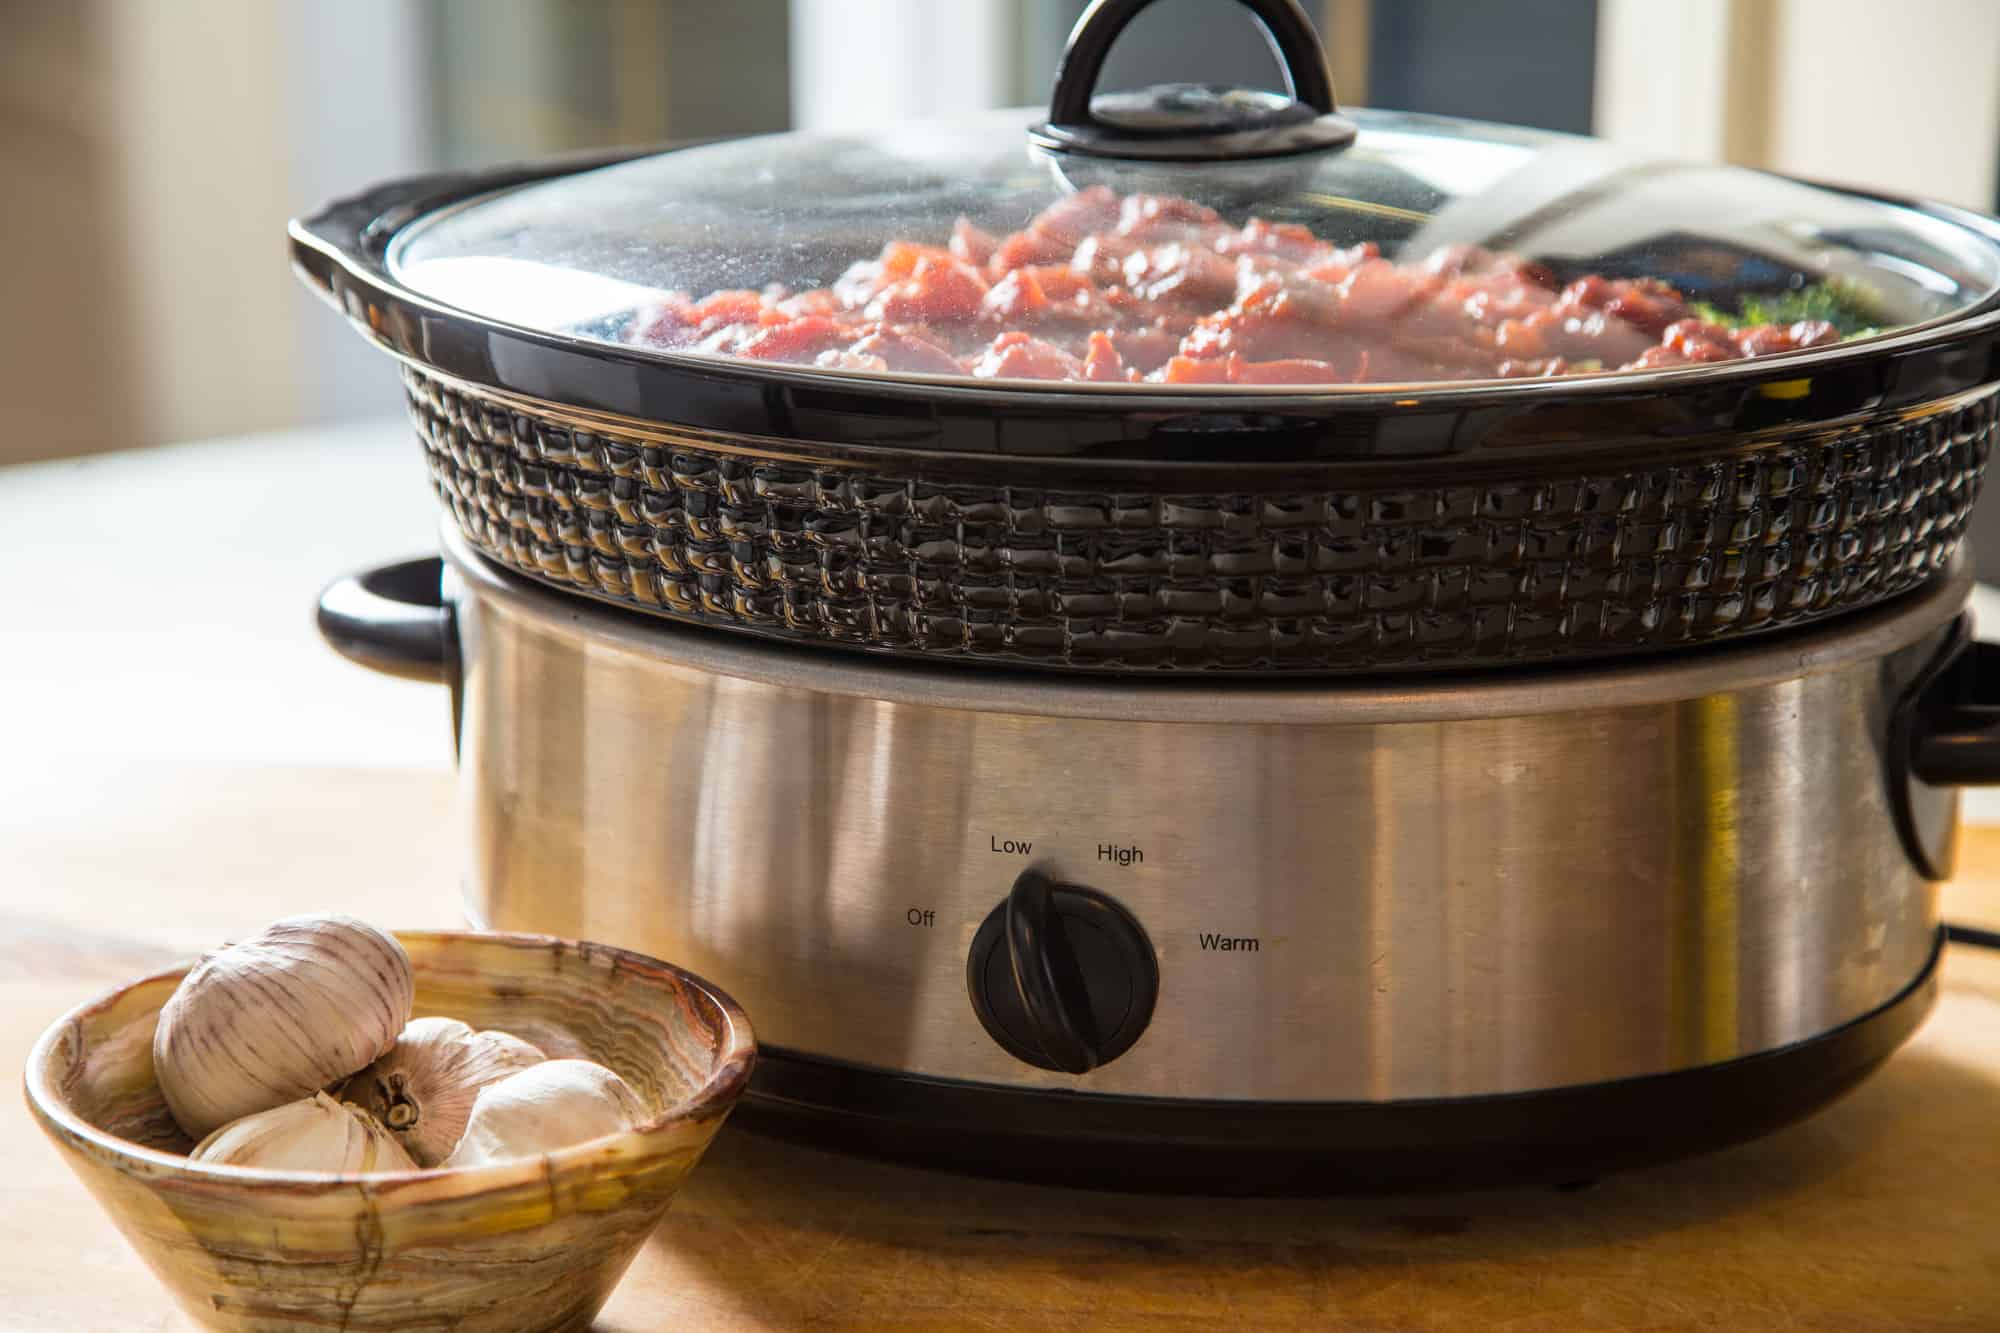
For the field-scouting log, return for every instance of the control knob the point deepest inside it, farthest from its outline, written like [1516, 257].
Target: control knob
[1061, 976]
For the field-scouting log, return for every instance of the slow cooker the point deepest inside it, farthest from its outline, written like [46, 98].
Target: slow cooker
[1200, 638]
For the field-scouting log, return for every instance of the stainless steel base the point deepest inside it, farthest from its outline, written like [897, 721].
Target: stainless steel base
[1446, 888]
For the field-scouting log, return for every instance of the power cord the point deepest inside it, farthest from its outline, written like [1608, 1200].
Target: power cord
[1973, 935]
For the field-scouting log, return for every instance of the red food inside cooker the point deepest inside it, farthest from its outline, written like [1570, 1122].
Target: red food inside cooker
[1154, 289]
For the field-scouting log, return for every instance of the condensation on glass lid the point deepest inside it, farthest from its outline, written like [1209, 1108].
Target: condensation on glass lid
[1431, 252]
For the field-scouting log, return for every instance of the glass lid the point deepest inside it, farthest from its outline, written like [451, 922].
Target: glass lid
[1192, 236]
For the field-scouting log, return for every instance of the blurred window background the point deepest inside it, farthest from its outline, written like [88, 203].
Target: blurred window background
[152, 151]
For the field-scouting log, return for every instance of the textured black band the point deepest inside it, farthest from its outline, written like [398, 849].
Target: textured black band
[948, 558]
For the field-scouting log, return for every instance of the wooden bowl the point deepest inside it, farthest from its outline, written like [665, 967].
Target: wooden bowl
[533, 1244]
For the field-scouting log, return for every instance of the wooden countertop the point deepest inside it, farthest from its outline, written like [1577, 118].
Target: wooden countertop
[180, 761]
[1882, 1213]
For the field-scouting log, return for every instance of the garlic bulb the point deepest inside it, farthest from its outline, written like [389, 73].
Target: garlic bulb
[544, 1107]
[424, 1087]
[314, 1134]
[301, 1004]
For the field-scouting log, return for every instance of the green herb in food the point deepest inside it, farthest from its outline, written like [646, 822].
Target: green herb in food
[1842, 304]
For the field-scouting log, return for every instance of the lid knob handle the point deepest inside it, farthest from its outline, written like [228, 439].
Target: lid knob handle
[1185, 122]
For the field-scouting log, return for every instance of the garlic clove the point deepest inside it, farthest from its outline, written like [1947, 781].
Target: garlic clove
[554, 1104]
[315, 1133]
[423, 1089]
[300, 1005]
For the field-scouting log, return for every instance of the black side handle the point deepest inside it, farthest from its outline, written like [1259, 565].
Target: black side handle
[394, 619]
[1957, 740]
[1943, 732]
[1193, 122]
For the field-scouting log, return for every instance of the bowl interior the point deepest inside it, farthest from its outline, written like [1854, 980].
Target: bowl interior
[684, 1047]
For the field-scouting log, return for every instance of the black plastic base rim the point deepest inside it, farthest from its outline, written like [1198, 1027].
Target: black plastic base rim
[1560, 1136]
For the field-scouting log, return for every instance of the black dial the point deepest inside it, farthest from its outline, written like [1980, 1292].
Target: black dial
[1061, 976]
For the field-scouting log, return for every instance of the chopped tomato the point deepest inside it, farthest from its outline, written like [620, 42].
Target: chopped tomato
[1025, 248]
[1146, 217]
[901, 258]
[1016, 297]
[1287, 240]
[1017, 356]
[1770, 339]
[1184, 273]
[1297, 370]
[971, 245]
[819, 301]
[1103, 362]
[1102, 258]
[796, 340]
[849, 360]
[906, 350]
[1145, 349]
[730, 308]
[1076, 216]
[939, 290]
[670, 323]
[1337, 265]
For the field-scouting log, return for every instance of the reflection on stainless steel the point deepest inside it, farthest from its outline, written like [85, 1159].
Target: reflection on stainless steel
[1607, 873]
